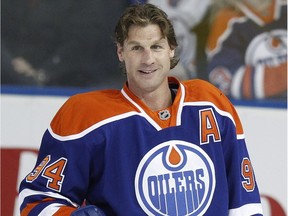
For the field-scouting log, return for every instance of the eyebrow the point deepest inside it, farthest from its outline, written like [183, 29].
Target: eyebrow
[161, 40]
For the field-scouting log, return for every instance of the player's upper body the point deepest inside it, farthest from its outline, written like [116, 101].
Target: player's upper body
[156, 147]
[109, 148]
[247, 50]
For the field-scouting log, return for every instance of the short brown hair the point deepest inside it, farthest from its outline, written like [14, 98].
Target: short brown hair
[142, 15]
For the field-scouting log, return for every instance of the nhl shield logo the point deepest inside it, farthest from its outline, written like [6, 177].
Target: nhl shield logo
[175, 178]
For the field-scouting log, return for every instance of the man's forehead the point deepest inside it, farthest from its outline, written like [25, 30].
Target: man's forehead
[150, 32]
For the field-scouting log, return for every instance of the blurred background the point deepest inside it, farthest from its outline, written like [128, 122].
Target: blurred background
[51, 50]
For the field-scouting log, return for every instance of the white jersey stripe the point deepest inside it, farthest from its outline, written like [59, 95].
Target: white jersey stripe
[249, 209]
[50, 209]
[27, 192]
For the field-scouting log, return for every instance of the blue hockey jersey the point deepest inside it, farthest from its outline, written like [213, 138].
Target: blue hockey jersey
[108, 149]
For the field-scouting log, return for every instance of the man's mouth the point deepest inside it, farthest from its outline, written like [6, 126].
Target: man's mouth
[147, 71]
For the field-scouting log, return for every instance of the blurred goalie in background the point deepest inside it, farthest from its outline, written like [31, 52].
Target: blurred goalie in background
[247, 49]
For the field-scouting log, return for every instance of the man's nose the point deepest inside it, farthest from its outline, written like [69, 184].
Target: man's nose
[148, 57]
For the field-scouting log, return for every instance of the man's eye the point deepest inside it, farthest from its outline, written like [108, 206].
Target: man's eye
[156, 47]
[136, 47]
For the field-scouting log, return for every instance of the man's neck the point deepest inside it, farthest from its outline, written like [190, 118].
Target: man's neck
[157, 100]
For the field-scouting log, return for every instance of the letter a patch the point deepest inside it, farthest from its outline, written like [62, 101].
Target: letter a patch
[208, 126]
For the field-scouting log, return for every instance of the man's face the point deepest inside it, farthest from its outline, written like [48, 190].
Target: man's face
[146, 55]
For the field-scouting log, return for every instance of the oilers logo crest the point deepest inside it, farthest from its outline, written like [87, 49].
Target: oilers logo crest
[175, 178]
[268, 49]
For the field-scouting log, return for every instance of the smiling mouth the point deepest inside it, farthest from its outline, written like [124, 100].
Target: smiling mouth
[147, 71]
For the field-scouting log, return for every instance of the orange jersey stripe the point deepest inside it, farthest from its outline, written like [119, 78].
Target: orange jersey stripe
[275, 80]
[28, 208]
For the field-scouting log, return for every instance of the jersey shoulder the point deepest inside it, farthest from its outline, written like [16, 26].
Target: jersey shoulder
[81, 111]
[203, 92]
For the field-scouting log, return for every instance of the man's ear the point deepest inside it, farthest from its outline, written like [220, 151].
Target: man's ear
[172, 52]
[120, 52]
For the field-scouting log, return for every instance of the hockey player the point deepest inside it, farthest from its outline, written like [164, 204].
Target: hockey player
[247, 49]
[156, 147]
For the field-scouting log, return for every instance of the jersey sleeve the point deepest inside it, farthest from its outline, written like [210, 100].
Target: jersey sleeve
[239, 183]
[244, 196]
[65, 166]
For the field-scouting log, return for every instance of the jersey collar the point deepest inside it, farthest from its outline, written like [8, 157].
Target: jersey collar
[176, 108]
